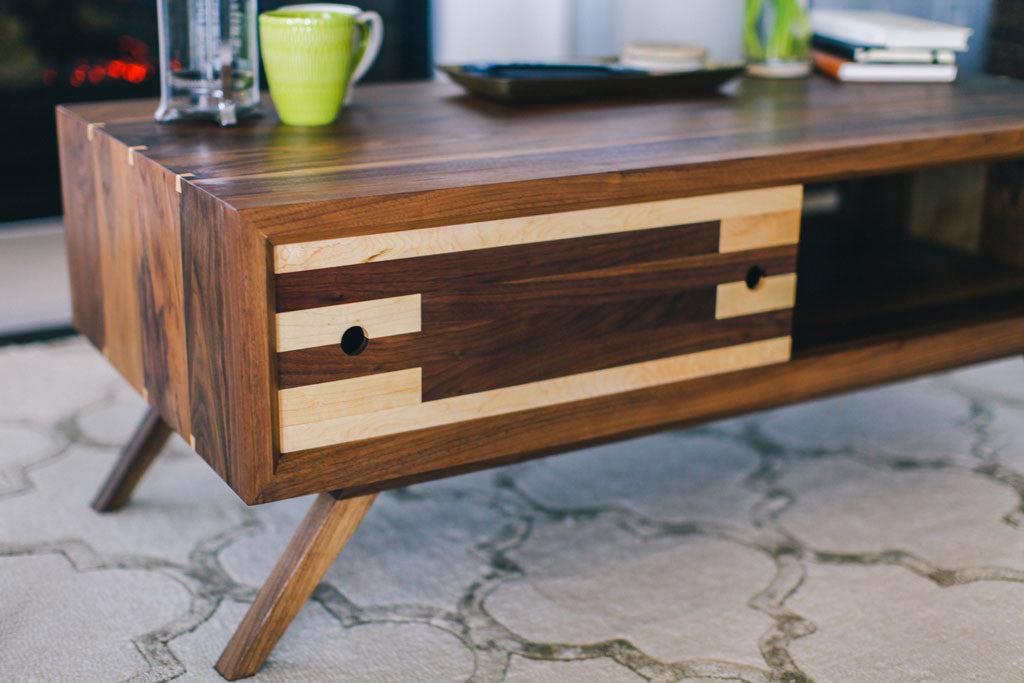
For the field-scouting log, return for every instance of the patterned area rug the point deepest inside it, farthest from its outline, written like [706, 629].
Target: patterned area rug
[872, 537]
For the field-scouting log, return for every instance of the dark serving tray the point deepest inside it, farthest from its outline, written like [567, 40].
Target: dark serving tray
[522, 83]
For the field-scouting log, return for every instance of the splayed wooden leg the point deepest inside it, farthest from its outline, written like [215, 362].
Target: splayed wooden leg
[147, 442]
[325, 530]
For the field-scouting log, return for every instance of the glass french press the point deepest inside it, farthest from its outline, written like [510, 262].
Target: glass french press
[208, 60]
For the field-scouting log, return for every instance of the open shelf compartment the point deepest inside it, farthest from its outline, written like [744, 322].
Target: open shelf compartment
[880, 265]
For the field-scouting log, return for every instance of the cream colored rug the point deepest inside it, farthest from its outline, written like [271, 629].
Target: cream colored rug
[873, 537]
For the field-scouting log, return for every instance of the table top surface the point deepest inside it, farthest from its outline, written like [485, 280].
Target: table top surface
[407, 139]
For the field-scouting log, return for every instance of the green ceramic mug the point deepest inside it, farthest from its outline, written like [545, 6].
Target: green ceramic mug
[313, 60]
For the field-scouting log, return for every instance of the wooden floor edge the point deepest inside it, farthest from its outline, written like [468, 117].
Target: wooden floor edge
[807, 376]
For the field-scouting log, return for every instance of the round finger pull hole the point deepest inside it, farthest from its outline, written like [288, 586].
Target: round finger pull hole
[754, 277]
[354, 340]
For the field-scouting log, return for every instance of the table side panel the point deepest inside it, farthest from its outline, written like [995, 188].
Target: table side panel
[228, 296]
[118, 230]
[403, 459]
[175, 292]
[80, 226]
[521, 314]
[162, 294]
[121, 218]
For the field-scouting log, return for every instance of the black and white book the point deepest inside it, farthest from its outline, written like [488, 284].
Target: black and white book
[882, 55]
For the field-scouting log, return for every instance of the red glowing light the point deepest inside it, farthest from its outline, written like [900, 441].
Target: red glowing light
[96, 74]
[175, 64]
[77, 78]
[135, 73]
[115, 69]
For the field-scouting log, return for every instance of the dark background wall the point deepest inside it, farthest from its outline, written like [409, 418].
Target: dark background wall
[57, 51]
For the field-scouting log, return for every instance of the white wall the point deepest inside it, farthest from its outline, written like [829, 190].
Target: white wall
[482, 30]
[501, 30]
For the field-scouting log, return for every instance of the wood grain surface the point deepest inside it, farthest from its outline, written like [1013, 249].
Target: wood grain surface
[772, 293]
[324, 325]
[119, 257]
[80, 228]
[324, 531]
[470, 270]
[415, 155]
[146, 443]
[161, 293]
[402, 459]
[228, 321]
[523, 313]
[546, 393]
[412, 172]
[739, 234]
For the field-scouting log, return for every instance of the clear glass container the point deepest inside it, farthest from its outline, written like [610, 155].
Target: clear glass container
[209, 64]
[777, 38]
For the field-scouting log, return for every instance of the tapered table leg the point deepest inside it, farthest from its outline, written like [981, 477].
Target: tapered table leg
[326, 528]
[137, 456]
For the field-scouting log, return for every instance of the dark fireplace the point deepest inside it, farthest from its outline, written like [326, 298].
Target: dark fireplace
[56, 51]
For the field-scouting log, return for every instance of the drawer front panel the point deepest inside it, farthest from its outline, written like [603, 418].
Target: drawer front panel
[500, 324]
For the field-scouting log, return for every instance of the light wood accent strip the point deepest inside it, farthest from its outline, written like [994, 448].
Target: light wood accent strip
[131, 153]
[325, 325]
[345, 397]
[178, 178]
[91, 128]
[742, 233]
[536, 394]
[773, 293]
[345, 251]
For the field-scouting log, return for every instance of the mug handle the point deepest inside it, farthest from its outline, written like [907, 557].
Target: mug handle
[372, 29]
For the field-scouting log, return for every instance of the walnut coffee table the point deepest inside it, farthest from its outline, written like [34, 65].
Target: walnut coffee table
[437, 284]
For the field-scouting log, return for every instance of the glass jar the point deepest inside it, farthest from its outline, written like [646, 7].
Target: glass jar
[777, 38]
[209, 64]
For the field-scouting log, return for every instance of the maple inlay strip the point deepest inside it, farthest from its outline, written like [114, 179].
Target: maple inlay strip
[535, 394]
[344, 251]
[321, 326]
[743, 233]
[773, 293]
[342, 398]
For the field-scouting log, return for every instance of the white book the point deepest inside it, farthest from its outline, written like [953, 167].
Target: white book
[884, 29]
[902, 55]
[865, 72]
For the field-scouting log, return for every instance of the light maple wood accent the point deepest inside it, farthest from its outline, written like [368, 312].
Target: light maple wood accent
[536, 394]
[90, 130]
[325, 325]
[773, 293]
[345, 251]
[179, 177]
[345, 397]
[324, 531]
[742, 233]
[131, 153]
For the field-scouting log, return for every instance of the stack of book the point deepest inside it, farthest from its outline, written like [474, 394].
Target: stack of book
[884, 47]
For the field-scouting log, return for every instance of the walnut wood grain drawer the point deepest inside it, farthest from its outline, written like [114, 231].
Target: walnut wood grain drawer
[452, 324]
